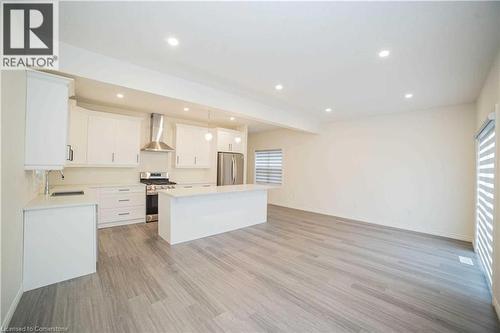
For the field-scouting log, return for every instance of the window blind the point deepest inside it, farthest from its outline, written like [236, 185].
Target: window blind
[269, 166]
[485, 186]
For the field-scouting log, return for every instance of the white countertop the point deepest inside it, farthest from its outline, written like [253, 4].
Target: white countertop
[64, 187]
[189, 192]
[43, 201]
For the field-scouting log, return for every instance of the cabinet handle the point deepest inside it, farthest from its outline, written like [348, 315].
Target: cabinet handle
[195, 160]
[112, 157]
[123, 213]
[137, 158]
[177, 159]
[69, 153]
[72, 153]
[122, 200]
[189, 186]
[123, 189]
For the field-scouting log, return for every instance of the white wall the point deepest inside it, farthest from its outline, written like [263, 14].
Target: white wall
[18, 187]
[412, 171]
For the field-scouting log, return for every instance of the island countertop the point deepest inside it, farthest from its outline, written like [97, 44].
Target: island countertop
[212, 190]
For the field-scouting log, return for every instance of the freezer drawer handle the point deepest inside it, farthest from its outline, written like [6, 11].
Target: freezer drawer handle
[123, 213]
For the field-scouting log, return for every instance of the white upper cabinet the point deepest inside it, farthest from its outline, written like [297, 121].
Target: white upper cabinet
[113, 140]
[224, 140]
[101, 140]
[192, 150]
[127, 142]
[46, 121]
[184, 146]
[202, 149]
[77, 141]
[229, 141]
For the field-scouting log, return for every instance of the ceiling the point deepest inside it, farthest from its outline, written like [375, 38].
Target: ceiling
[99, 93]
[325, 54]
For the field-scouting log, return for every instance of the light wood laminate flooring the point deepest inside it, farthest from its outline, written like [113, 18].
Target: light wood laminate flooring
[300, 272]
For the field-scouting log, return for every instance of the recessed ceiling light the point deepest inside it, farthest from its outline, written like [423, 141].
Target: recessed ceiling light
[232, 118]
[119, 95]
[186, 109]
[408, 95]
[328, 109]
[278, 87]
[384, 53]
[172, 41]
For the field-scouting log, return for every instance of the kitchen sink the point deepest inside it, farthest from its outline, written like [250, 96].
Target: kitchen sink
[60, 194]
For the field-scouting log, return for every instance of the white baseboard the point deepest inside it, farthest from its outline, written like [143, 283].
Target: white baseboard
[466, 238]
[12, 309]
[496, 305]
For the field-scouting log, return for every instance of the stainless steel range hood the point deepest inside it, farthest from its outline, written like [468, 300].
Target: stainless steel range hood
[156, 143]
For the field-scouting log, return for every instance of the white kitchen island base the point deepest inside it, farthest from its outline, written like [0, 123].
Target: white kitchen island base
[188, 214]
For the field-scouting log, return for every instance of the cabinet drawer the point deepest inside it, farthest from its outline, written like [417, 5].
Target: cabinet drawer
[107, 215]
[123, 189]
[126, 199]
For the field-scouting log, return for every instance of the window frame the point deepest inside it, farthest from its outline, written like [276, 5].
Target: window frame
[282, 167]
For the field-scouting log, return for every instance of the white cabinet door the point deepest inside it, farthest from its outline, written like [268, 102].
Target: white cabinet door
[224, 140]
[192, 150]
[77, 141]
[185, 137]
[105, 139]
[230, 141]
[237, 143]
[127, 142]
[202, 149]
[101, 140]
[46, 121]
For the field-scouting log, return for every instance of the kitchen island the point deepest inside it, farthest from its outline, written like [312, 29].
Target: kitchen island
[190, 213]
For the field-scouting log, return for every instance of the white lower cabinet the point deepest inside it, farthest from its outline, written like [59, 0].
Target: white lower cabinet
[195, 185]
[120, 205]
[109, 215]
[59, 244]
[121, 200]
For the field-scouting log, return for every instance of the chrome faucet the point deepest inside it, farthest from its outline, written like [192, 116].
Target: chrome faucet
[46, 187]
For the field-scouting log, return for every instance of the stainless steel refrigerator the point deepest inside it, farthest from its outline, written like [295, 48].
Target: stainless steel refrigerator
[230, 169]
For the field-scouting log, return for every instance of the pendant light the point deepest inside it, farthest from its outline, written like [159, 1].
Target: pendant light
[208, 136]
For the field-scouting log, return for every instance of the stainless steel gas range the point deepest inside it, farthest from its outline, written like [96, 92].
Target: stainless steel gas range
[154, 181]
